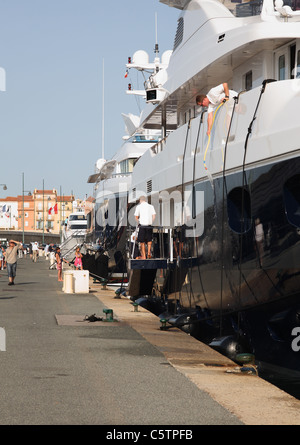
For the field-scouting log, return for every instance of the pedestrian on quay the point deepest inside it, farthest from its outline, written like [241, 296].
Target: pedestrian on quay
[145, 215]
[35, 252]
[11, 256]
[78, 259]
[59, 260]
[2, 251]
[30, 251]
[58, 264]
[47, 252]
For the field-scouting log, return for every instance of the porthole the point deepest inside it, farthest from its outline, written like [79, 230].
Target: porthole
[291, 195]
[239, 210]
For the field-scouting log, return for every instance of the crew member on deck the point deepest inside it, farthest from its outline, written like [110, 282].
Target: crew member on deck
[213, 99]
[145, 216]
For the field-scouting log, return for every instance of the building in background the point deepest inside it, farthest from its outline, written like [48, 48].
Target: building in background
[25, 212]
[64, 208]
[51, 210]
[9, 213]
[43, 201]
[42, 211]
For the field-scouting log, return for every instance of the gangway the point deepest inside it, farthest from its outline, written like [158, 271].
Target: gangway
[69, 245]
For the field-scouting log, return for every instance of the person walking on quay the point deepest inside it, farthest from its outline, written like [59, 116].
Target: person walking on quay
[11, 256]
[2, 251]
[59, 261]
[47, 252]
[145, 215]
[30, 250]
[35, 252]
[58, 264]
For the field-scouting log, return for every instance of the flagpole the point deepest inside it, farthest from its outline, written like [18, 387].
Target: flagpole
[103, 110]
[60, 228]
[23, 235]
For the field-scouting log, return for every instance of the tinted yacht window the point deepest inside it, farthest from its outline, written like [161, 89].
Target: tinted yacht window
[291, 193]
[239, 210]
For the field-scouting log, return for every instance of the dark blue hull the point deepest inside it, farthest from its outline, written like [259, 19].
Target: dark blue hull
[240, 279]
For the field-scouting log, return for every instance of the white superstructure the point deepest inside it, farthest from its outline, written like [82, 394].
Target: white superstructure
[213, 46]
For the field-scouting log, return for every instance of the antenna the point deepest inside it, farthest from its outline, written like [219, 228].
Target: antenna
[156, 50]
[103, 110]
[156, 39]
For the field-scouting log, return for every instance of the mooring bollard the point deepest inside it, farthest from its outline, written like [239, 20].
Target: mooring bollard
[109, 314]
[104, 283]
[163, 323]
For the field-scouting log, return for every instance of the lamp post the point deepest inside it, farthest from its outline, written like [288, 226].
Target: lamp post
[29, 194]
[43, 212]
[5, 188]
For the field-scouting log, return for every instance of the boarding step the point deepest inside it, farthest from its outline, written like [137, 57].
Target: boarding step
[153, 263]
[163, 263]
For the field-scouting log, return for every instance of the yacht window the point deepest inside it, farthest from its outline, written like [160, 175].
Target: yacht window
[127, 165]
[291, 194]
[281, 67]
[297, 74]
[292, 60]
[247, 9]
[248, 81]
[179, 33]
[77, 217]
[239, 210]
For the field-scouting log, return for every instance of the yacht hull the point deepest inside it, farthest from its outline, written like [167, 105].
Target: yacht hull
[231, 283]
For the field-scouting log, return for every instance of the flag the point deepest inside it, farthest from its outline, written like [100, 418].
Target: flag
[126, 74]
[53, 210]
[7, 213]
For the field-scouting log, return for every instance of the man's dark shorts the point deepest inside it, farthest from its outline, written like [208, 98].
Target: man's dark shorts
[145, 234]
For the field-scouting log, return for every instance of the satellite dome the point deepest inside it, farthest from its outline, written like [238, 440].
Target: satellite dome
[100, 163]
[140, 58]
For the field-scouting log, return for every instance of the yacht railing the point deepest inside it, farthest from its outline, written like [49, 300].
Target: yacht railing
[157, 148]
[119, 175]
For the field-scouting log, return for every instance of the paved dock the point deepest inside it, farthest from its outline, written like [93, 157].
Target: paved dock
[59, 369]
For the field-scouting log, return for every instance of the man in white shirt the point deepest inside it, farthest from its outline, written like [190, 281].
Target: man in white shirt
[35, 252]
[213, 99]
[145, 215]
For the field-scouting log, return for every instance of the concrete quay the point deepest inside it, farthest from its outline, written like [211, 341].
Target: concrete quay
[251, 399]
[60, 369]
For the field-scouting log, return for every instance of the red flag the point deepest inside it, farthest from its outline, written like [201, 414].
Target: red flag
[53, 210]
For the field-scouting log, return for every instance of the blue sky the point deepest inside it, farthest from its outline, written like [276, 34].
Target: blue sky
[52, 52]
